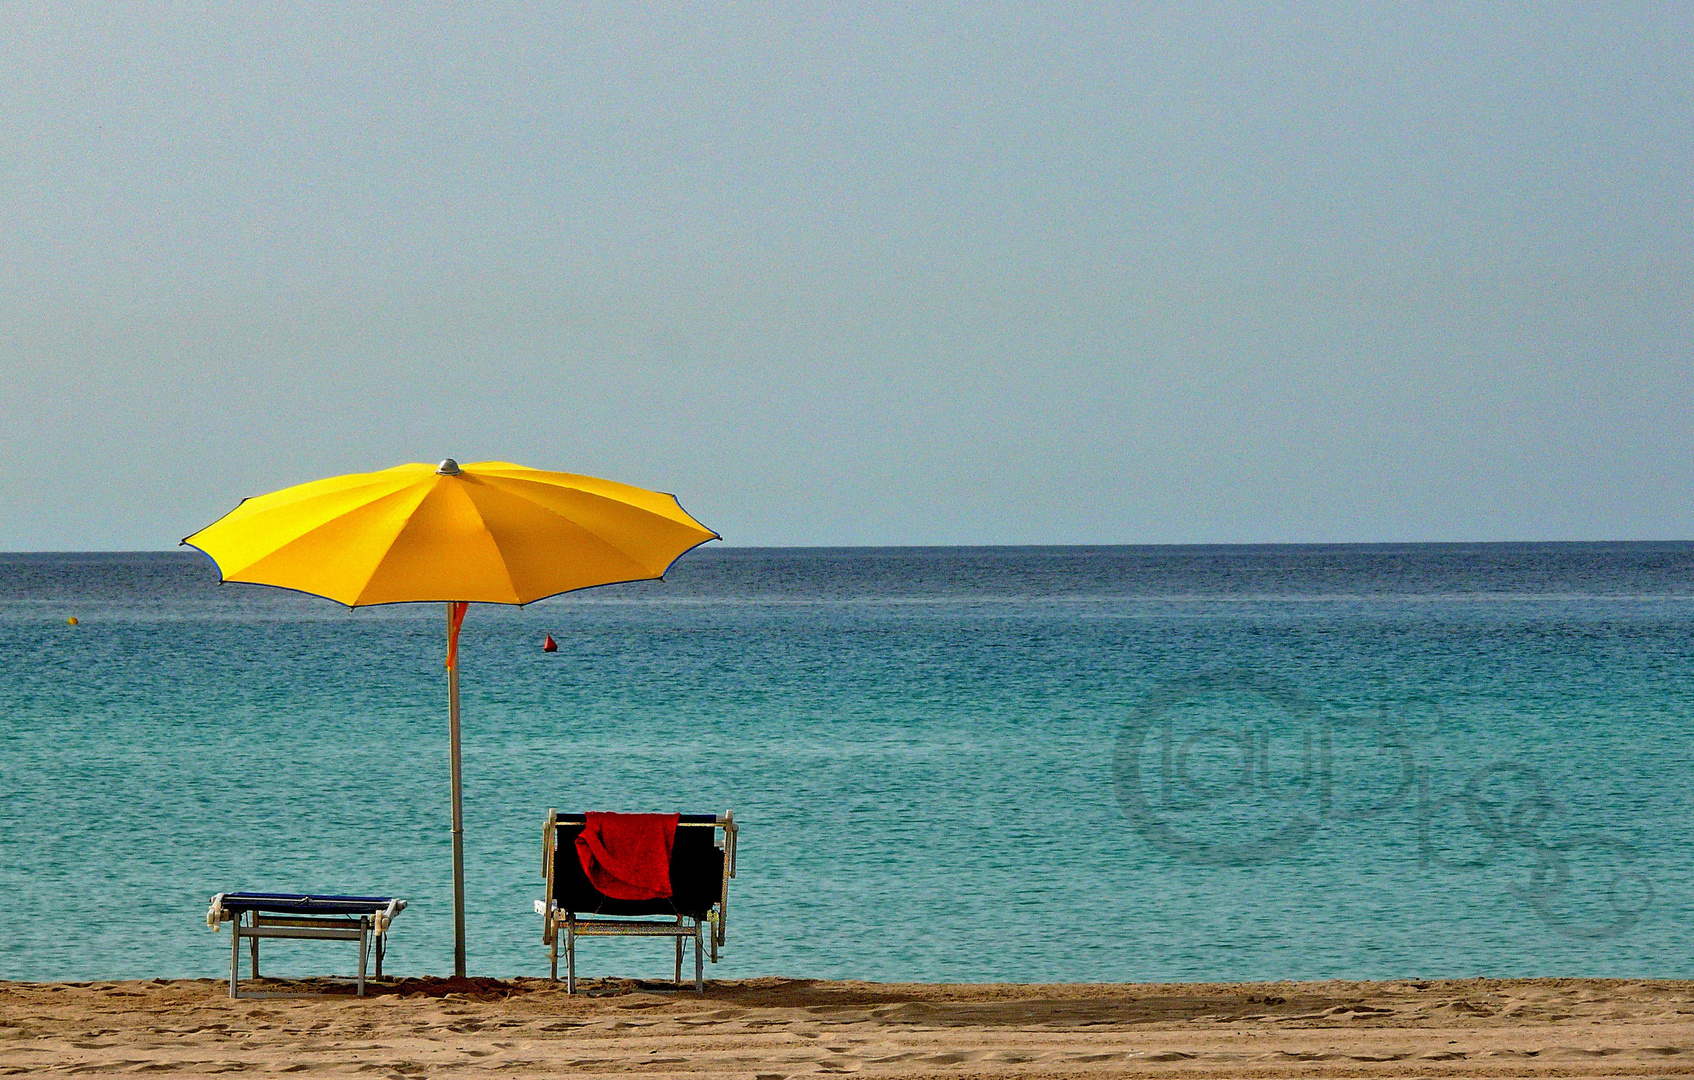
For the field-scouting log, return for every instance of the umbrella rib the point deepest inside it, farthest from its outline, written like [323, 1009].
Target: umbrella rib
[419, 495]
[607, 499]
[493, 544]
[599, 539]
[320, 527]
[499, 552]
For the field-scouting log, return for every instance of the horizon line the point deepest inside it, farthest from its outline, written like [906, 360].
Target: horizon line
[721, 545]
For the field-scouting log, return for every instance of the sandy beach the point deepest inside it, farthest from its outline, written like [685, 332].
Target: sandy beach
[763, 1029]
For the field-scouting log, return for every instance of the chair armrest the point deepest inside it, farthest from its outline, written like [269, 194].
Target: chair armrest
[548, 910]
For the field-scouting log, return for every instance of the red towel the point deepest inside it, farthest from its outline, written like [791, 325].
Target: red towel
[628, 856]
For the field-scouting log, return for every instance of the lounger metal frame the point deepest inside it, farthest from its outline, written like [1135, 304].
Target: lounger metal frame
[253, 924]
[707, 934]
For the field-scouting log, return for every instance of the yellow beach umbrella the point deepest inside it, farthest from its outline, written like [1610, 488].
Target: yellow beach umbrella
[491, 532]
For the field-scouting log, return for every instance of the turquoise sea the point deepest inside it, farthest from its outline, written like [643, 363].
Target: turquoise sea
[1022, 764]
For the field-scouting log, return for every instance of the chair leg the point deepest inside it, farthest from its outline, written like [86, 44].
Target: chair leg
[253, 944]
[678, 979]
[570, 957]
[699, 960]
[554, 977]
[379, 940]
[234, 955]
[364, 951]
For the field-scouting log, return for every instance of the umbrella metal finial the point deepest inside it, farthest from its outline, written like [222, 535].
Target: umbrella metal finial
[449, 467]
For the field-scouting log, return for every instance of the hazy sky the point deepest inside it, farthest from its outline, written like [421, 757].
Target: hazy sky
[859, 274]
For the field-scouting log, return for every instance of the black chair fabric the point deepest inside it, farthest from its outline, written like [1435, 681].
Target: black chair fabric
[696, 874]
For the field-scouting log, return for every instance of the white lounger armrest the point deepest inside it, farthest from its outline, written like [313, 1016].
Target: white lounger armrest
[381, 919]
[215, 915]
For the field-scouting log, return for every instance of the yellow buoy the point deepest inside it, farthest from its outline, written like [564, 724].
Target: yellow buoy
[71, 621]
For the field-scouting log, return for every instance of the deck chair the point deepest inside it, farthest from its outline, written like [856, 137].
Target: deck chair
[700, 868]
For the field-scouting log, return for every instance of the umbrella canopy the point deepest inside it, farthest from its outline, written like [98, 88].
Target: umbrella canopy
[491, 532]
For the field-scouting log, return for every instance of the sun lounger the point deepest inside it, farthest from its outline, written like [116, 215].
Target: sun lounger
[292, 915]
[700, 868]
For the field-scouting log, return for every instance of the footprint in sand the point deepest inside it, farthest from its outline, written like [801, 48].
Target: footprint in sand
[1356, 1009]
[1377, 1057]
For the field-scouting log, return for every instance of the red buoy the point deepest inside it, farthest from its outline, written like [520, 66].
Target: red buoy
[549, 645]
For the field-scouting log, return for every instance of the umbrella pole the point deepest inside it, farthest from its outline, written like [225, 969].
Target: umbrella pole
[458, 809]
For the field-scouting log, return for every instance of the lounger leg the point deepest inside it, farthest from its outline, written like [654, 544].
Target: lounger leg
[364, 951]
[699, 960]
[678, 979]
[379, 940]
[555, 976]
[234, 954]
[253, 948]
